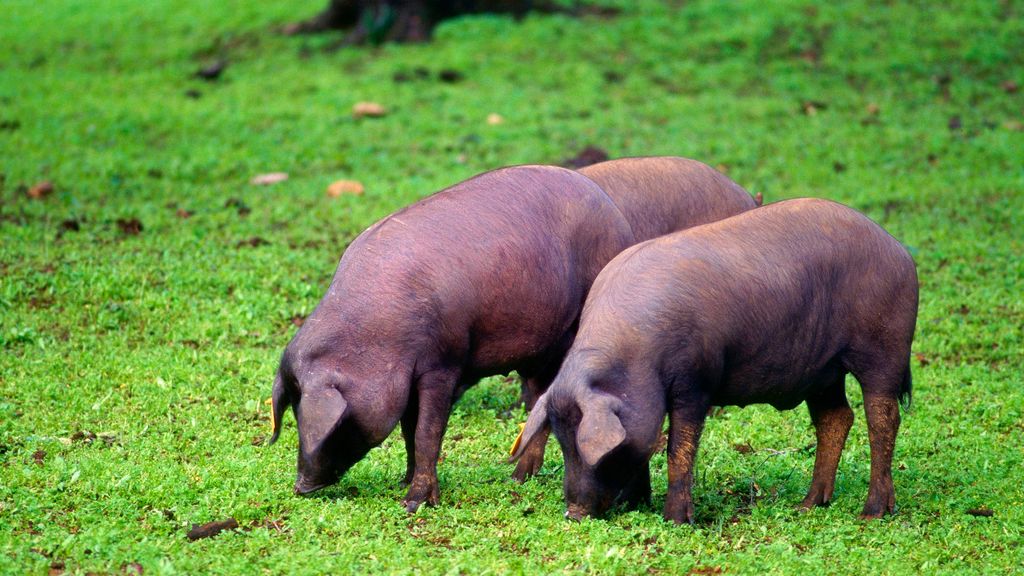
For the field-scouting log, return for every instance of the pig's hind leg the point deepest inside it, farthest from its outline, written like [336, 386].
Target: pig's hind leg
[409, 435]
[435, 392]
[832, 418]
[882, 388]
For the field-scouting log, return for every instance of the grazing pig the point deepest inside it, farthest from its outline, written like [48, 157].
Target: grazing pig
[775, 305]
[479, 279]
[657, 195]
[663, 194]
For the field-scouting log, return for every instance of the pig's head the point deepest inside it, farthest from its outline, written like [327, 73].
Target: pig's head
[605, 445]
[339, 421]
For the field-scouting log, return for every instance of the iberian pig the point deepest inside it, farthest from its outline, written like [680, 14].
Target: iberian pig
[657, 195]
[482, 278]
[775, 305]
[663, 194]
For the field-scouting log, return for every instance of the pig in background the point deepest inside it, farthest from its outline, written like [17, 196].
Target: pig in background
[773, 306]
[482, 278]
[663, 194]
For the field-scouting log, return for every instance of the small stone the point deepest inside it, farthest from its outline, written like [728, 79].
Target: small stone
[269, 178]
[212, 71]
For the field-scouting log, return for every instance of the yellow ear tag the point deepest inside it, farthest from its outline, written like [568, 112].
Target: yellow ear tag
[518, 440]
[273, 416]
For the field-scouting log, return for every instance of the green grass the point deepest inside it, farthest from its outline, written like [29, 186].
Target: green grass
[164, 343]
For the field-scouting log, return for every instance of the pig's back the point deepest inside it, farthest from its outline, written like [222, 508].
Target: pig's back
[774, 242]
[663, 194]
[499, 263]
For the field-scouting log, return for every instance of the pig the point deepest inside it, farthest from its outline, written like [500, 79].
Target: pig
[663, 194]
[775, 305]
[482, 278]
[657, 195]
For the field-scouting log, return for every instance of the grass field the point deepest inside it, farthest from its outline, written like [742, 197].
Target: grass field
[145, 301]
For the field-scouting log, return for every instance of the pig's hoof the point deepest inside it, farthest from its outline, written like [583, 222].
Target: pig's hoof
[878, 507]
[681, 514]
[875, 514]
[811, 501]
[575, 512]
[421, 493]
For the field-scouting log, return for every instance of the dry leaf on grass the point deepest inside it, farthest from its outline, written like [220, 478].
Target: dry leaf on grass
[368, 109]
[210, 529]
[41, 190]
[340, 187]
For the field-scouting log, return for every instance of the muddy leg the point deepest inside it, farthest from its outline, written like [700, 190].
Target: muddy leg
[832, 418]
[883, 416]
[435, 391]
[685, 426]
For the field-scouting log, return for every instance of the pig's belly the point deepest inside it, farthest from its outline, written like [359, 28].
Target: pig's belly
[501, 354]
[782, 388]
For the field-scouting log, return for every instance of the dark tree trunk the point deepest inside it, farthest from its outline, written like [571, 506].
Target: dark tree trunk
[377, 21]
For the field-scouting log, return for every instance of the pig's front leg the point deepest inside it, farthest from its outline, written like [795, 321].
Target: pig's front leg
[435, 391]
[686, 422]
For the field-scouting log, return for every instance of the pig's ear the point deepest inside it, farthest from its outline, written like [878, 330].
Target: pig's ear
[600, 429]
[320, 413]
[280, 401]
[537, 420]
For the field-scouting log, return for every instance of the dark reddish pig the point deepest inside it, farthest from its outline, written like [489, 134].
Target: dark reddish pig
[773, 306]
[663, 194]
[479, 279]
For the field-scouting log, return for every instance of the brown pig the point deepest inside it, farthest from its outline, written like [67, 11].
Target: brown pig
[775, 305]
[663, 194]
[657, 195]
[479, 279]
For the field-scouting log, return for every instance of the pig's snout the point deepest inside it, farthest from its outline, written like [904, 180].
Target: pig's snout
[576, 512]
[305, 485]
